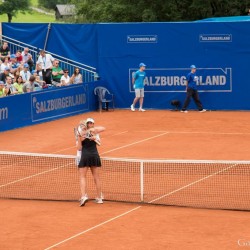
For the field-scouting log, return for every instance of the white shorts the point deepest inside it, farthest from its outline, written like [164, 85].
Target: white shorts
[139, 92]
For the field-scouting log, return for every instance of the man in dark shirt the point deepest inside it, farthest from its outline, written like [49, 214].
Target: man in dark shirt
[4, 51]
[4, 74]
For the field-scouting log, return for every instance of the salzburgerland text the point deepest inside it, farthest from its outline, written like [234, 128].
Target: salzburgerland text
[58, 103]
[174, 80]
[4, 113]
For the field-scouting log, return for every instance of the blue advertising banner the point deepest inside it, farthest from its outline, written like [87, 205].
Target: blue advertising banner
[41, 106]
[174, 80]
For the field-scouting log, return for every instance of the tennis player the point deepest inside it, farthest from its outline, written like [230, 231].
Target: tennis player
[87, 143]
[138, 85]
[191, 90]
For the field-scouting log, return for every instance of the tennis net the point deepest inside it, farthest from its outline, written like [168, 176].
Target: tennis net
[191, 183]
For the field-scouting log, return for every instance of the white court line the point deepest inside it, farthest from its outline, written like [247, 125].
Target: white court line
[61, 150]
[117, 217]
[34, 175]
[193, 183]
[128, 145]
[89, 229]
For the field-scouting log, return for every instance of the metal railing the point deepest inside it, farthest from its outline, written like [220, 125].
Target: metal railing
[88, 73]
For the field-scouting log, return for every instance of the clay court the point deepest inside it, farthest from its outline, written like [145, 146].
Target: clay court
[217, 135]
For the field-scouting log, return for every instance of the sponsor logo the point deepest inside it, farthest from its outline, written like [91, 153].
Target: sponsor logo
[142, 39]
[4, 113]
[174, 80]
[244, 242]
[215, 37]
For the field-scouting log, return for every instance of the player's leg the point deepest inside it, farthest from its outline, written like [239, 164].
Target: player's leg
[96, 176]
[141, 100]
[83, 183]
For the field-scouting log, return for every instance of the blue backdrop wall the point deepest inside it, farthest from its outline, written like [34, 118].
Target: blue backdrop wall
[220, 50]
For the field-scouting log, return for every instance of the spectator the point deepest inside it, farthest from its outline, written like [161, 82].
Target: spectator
[4, 64]
[27, 58]
[76, 77]
[38, 80]
[2, 89]
[30, 85]
[14, 64]
[25, 73]
[18, 84]
[57, 72]
[10, 89]
[65, 79]
[4, 51]
[4, 74]
[44, 63]
[19, 57]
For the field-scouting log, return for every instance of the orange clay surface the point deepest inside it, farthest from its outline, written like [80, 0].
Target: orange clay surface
[148, 135]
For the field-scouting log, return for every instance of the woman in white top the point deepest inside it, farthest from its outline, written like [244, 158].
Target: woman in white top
[76, 77]
[65, 79]
[4, 64]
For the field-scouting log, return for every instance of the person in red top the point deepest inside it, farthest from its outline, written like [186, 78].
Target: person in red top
[19, 57]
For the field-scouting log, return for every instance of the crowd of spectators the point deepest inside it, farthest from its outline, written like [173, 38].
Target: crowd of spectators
[20, 74]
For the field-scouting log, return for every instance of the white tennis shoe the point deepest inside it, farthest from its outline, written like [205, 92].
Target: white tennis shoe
[83, 200]
[142, 110]
[132, 107]
[184, 111]
[202, 111]
[99, 200]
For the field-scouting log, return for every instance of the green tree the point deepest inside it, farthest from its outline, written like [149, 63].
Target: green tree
[93, 11]
[11, 7]
[51, 4]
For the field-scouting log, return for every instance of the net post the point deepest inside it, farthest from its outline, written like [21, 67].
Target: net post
[141, 181]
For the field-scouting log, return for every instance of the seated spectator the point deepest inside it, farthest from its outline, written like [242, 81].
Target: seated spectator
[10, 89]
[25, 73]
[65, 79]
[18, 84]
[2, 89]
[30, 85]
[27, 58]
[76, 77]
[14, 64]
[4, 64]
[57, 72]
[4, 51]
[5, 73]
[19, 57]
[39, 80]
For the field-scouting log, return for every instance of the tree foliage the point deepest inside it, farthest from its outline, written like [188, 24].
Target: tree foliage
[51, 4]
[93, 11]
[11, 7]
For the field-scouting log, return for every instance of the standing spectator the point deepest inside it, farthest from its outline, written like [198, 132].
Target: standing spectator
[57, 72]
[27, 58]
[65, 79]
[76, 77]
[10, 89]
[44, 63]
[138, 84]
[5, 64]
[5, 73]
[19, 85]
[89, 159]
[2, 89]
[191, 91]
[4, 51]
[30, 85]
[25, 73]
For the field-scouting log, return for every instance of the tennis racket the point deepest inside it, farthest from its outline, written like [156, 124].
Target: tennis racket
[97, 138]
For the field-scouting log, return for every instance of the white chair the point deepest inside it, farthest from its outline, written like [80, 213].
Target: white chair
[105, 98]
